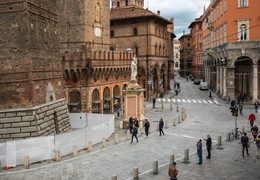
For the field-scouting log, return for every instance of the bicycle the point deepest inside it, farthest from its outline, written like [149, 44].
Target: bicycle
[235, 134]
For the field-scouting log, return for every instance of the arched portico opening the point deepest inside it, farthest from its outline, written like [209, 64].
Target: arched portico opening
[96, 102]
[107, 101]
[244, 76]
[75, 101]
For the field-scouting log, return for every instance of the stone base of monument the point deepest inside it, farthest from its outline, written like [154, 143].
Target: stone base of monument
[134, 103]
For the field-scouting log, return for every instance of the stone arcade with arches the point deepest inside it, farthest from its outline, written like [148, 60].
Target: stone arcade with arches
[233, 68]
[95, 79]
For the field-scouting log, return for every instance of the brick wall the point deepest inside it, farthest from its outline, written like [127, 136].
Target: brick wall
[43, 120]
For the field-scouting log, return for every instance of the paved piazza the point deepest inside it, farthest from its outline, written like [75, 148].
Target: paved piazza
[208, 117]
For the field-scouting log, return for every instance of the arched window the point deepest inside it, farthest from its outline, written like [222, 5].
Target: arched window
[112, 33]
[135, 31]
[243, 32]
[126, 2]
[118, 4]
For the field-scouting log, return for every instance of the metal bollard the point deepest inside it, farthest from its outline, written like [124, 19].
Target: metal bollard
[219, 141]
[171, 106]
[166, 124]
[104, 144]
[182, 116]
[75, 151]
[128, 135]
[162, 105]
[177, 108]
[228, 137]
[90, 146]
[174, 122]
[172, 159]
[116, 138]
[155, 167]
[114, 177]
[26, 161]
[186, 154]
[243, 129]
[135, 173]
[57, 154]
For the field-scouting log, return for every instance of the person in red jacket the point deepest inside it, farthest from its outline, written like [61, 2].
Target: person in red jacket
[251, 118]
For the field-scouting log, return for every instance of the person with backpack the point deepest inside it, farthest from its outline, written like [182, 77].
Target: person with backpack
[146, 127]
[254, 131]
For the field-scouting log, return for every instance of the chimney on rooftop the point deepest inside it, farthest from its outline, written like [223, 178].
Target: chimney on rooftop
[158, 13]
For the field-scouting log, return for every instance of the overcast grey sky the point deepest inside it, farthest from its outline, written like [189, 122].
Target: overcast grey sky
[183, 11]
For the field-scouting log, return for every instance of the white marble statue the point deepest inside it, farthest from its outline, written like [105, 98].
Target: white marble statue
[134, 69]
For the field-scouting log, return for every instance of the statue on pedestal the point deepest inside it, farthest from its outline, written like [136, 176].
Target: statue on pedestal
[134, 70]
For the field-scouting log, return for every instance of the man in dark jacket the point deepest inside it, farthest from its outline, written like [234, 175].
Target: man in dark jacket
[161, 125]
[244, 141]
[208, 144]
[134, 133]
[146, 127]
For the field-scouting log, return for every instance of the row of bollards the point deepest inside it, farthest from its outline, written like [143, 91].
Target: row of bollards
[156, 164]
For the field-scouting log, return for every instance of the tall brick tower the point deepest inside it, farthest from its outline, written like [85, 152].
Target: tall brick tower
[84, 23]
[123, 3]
[29, 47]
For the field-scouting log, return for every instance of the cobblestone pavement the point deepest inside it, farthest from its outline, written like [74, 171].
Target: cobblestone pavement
[120, 159]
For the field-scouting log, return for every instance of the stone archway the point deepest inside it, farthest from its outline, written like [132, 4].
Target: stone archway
[96, 101]
[244, 76]
[75, 101]
[107, 101]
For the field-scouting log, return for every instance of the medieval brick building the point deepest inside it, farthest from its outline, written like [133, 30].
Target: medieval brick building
[149, 36]
[185, 55]
[31, 75]
[94, 76]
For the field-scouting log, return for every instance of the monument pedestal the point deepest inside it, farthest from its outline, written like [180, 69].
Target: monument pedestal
[134, 103]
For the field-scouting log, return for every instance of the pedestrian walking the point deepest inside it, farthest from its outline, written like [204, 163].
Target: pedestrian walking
[256, 106]
[146, 127]
[208, 145]
[136, 123]
[257, 141]
[174, 85]
[251, 119]
[254, 131]
[210, 95]
[130, 124]
[134, 134]
[161, 125]
[232, 103]
[244, 97]
[199, 151]
[154, 101]
[244, 141]
[118, 111]
[178, 85]
[172, 171]
[241, 108]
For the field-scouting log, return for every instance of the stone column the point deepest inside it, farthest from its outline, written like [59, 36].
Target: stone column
[224, 83]
[255, 83]
[221, 80]
[217, 81]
